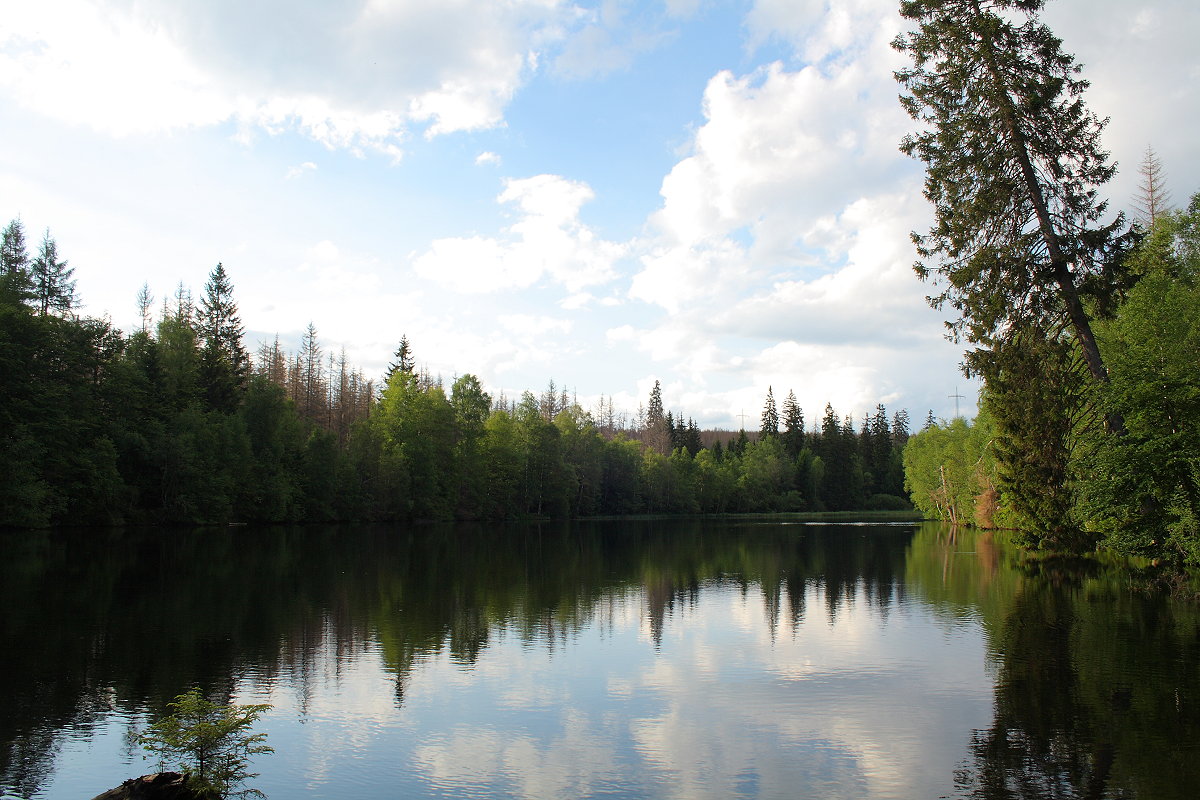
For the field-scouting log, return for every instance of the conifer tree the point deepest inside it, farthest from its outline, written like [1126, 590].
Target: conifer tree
[654, 413]
[224, 362]
[793, 426]
[53, 288]
[1013, 162]
[770, 417]
[1152, 200]
[15, 283]
[144, 300]
[548, 402]
[657, 436]
[900, 429]
[404, 359]
[310, 390]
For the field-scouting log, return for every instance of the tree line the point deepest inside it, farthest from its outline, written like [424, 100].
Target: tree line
[1084, 327]
[177, 422]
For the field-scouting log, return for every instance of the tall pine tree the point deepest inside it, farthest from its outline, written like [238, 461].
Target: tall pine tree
[224, 363]
[1013, 163]
[52, 286]
[404, 359]
[793, 426]
[769, 425]
[15, 284]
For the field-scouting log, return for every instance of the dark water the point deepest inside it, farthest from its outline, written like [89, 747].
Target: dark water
[604, 660]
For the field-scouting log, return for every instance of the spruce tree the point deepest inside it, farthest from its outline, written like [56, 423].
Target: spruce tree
[404, 359]
[144, 301]
[654, 413]
[1013, 162]
[900, 429]
[793, 426]
[53, 288]
[1153, 200]
[770, 417]
[657, 436]
[692, 438]
[15, 283]
[310, 388]
[224, 362]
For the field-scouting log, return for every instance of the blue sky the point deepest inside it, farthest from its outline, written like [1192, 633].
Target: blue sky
[605, 194]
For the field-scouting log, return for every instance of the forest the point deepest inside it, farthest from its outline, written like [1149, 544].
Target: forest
[1136, 492]
[1084, 325]
[177, 423]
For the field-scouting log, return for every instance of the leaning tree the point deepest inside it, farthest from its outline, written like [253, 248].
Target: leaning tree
[1013, 161]
[1021, 238]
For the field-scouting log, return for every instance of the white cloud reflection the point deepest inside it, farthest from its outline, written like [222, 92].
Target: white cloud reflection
[719, 707]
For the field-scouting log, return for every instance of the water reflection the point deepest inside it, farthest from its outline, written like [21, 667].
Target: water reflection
[649, 659]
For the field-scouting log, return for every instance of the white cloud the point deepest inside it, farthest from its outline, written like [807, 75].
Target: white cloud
[77, 61]
[351, 76]
[677, 277]
[534, 325]
[547, 240]
[1144, 71]
[300, 169]
[781, 249]
[621, 333]
[487, 157]
[576, 301]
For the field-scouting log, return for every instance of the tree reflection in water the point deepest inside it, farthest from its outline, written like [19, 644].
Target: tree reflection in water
[1096, 683]
[1096, 693]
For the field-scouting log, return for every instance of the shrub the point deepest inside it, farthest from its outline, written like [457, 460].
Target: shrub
[210, 743]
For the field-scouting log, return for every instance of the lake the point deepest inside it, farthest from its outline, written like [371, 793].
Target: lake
[682, 659]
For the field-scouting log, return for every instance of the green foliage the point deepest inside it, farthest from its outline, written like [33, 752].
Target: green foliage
[949, 470]
[52, 288]
[16, 285]
[209, 742]
[770, 417]
[1037, 397]
[843, 482]
[224, 364]
[1143, 489]
[167, 426]
[1013, 161]
[767, 475]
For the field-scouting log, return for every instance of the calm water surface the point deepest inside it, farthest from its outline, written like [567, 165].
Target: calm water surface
[689, 660]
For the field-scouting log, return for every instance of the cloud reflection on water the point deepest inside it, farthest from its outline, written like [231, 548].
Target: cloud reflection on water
[721, 706]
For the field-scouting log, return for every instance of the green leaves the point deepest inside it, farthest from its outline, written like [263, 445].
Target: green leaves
[1143, 489]
[212, 743]
[949, 471]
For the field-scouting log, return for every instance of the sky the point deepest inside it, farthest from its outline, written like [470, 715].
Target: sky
[600, 194]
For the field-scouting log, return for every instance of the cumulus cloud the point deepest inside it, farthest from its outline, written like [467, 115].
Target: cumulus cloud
[548, 239]
[1144, 71]
[786, 224]
[354, 75]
